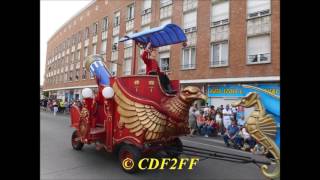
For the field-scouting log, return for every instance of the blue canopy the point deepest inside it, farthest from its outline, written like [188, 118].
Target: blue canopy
[158, 36]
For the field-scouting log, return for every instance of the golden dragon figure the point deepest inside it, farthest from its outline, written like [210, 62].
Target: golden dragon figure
[262, 127]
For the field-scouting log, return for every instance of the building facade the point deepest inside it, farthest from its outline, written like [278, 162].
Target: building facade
[230, 42]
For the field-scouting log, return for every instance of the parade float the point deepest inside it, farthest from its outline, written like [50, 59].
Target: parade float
[134, 117]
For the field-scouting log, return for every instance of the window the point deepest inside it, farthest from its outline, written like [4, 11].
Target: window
[165, 11]
[77, 75]
[260, 25]
[127, 66]
[146, 4]
[146, 12]
[258, 49]
[78, 55]
[94, 49]
[84, 73]
[129, 42]
[79, 37]
[115, 43]
[220, 13]
[94, 28]
[72, 57]
[164, 61]
[165, 3]
[70, 75]
[103, 49]
[104, 24]
[116, 20]
[219, 33]
[254, 6]
[190, 20]
[86, 33]
[65, 76]
[85, 52]
[188, 58]
[219, 54]
[189, 4]
[130, 14]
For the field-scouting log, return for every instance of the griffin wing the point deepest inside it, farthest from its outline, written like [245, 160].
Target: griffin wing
[138, 117]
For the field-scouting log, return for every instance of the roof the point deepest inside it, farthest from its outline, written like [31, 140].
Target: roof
[158, 36]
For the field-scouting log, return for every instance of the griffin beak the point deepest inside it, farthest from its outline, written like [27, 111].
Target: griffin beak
[203, 97]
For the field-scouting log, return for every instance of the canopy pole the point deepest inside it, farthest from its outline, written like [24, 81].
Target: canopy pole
[134, 58]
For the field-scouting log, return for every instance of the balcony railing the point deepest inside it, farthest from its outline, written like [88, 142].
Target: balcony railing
[259, 58]
[188, 66]
[218, 63]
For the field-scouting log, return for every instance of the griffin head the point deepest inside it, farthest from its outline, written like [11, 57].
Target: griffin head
[191, 93]
[248, 101]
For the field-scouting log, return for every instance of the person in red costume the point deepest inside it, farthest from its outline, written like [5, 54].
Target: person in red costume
[152, 68]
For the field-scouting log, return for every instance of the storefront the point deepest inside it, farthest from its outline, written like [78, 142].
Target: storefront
[225, 91]
[223, 94]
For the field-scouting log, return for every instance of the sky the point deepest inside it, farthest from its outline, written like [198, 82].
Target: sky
[53, 14]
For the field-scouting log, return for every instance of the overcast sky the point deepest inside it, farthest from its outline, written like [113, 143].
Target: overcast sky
[53, 14]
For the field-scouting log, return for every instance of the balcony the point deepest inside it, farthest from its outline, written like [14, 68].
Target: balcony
[68, 51]
[73, 48]
[79, 46]
[188, 66]
[62, 53]
[129, 24]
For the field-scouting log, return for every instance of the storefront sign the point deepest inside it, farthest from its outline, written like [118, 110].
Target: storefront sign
[231, 90]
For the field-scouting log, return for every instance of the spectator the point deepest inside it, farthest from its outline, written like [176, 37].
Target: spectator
[244, 140]
[55, 107]
[206, 110]
[66, 107]
[192, 120]
[200, 122]
[234, 113]
[227, 113]
[231, 134]
[218, 119]
[212, 113]
[240, 116]
[221, 107]
[62, 106]
[210, 127]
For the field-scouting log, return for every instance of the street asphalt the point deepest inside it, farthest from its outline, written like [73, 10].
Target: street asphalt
[59, 161]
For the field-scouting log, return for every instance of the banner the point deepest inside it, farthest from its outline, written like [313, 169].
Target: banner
[231, 90]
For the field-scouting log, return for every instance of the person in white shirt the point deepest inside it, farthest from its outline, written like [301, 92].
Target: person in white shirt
[227, 113]
[206, 110]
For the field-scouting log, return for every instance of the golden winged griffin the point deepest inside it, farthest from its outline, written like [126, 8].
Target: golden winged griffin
[154, 123]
